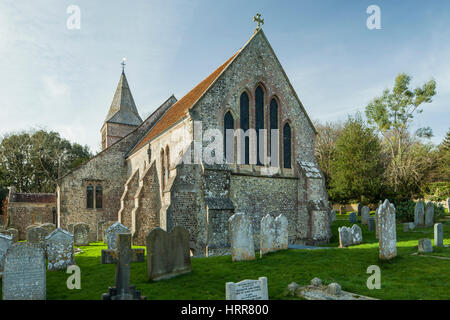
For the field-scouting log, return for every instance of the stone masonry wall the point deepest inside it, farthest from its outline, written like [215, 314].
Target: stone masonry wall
[127, 200]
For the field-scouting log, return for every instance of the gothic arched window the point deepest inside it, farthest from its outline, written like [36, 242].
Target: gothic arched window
[287, 146]
[228, 137]
[273, 125]
[98, 197]
[245, 125]
[90, 197]
[163, 169]
[259, 123]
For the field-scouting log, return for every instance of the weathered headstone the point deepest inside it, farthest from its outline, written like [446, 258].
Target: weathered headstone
[112, 232]
[123, 256]
[429, 214]
[356, 234]
[359, 208]
[70, 227]
[6, 242]
[105, 226]
[371, 224]
[168, 253]
[13, 233]
[332, 216]
[281, 232]
[247, 290]
[419, 213]
[406, 227]
[411, 225]
[36, 236]
[81, 234]
[365, 214]
[438, 235]
[345, 237]
[425, 245]
[59, 249]
[273, 234]
[24, 274]
[388, 233]
[241, 234]
[352, 217]
[50, 227]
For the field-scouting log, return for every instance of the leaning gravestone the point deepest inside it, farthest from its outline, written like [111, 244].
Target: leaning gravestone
[352, 217]
[438, 235]
[371, 224]
[345, 237]
[81, 234]
[241, 234]
[425, 245]
[419, 213]
[24, 274]
[168, 253]
[247, 290]
[5, 243]
[365, 214]
[59, 249]
[36, 236]
[356, 234]
[429, 214]
[388, 233]
[112, 232]
[274, 234]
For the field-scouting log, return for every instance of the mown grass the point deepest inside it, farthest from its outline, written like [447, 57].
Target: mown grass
[405, 277]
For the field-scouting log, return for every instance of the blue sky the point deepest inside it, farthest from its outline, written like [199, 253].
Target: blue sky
[64, 80]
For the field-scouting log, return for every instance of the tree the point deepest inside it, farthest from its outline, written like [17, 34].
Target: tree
[392, 114]
[357, 167]
[34, 161]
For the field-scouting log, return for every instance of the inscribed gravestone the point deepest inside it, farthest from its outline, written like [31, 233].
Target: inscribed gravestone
[352, 217]
[371, 224]
[36, 236]
[438, 235]
[168, 253]
[419, 213]
[247, 290]
[59, 249]
[281, 233]
[273, 234]
[365, 214]
[6, 242]
[356, 234]
[50, 227]
[345, 237]
[12, 232]
[104, 227]
[81, 234]
[241, 233]
[112, 232]
[425, 245]
[388, 233]
[429, 214]
[24, 274]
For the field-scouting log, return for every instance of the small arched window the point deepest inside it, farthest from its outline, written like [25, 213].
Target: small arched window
[259, 123]
[245, 125]
[228, 137]
[90, 197]
[98, 197]
[287, 146]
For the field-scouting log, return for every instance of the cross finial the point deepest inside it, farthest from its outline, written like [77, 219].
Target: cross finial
[258, 20]
[123, 64]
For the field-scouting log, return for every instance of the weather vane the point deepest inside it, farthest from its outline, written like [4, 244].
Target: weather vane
[123, 64]
[258, 20]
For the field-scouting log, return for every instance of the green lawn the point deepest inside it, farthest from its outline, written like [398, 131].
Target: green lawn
[405, 277]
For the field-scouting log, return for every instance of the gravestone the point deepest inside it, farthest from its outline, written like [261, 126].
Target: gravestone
[438, 235]
[24, 274]
[36, 236]
[70, 227]
[241, 234]
[59, 249]
[371, 224]
[12, 232]
[168, 253]
[359, 209]
[365, 214]
[273, 234]
[388, 233]
[332, 216]
[425, 245]
[356, 234]
[429, 214]
[352, 217]
[419, 213]
[105, 226]
[50, 227]
[247, 290]
[81, 234]
[6, 242]
[345, 237]
[112, 232]
[122, 257]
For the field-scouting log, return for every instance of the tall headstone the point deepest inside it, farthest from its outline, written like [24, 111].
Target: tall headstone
[352, 217]
[81, 234]
[419, 212]
[6, 242]
[438, 235]
[122, 257]
[345, 237]
[429, 214]
[168, 253]
[241, 233]
[371, 224]
[247, 290]
[388, 233]
[59, 249]
[356, 234]
[365, 214]
[425, 245]
[112, 232]
[359, 209]
[24, 274]
[274, 234]
[36, 236]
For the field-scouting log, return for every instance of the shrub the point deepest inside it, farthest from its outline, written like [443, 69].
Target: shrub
[404, 210]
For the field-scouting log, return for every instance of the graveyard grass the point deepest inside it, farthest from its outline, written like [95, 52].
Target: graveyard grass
[405, 277]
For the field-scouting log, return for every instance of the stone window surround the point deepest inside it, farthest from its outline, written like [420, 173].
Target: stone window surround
[94, 184]
[282, 120]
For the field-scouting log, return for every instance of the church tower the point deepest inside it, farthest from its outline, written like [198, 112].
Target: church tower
[122, 117]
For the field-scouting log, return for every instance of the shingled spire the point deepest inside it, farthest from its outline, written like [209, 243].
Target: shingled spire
[122, 117]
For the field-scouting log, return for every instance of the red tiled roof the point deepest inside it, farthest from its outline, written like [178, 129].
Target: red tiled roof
[180, 108]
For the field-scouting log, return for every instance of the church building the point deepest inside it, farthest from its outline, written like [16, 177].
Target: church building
[148, 174]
